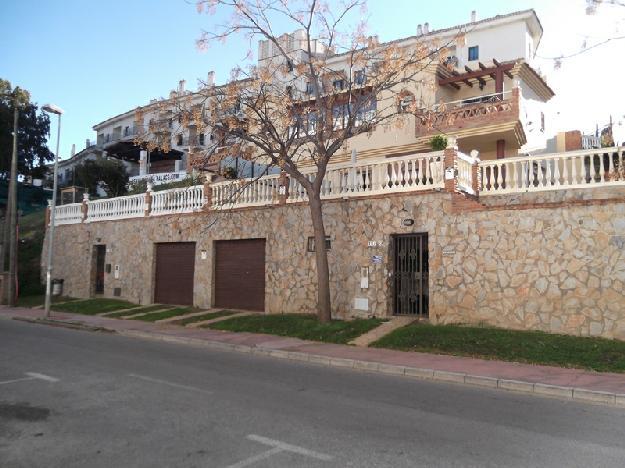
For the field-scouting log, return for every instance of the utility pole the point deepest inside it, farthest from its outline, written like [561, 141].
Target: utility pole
[11, 219]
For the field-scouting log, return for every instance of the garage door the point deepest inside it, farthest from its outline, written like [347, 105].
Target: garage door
[175, 265]
[240, 274]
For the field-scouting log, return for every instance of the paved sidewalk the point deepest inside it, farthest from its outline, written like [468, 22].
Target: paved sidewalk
[576, 384]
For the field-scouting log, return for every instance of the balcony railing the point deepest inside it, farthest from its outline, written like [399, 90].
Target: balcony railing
[460, 113]
[414, 173]
[575, 169]
[370, 177]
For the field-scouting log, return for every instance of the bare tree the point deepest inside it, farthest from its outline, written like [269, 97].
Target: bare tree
[308, 95]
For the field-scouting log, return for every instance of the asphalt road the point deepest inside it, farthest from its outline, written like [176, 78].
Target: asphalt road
[78, 399]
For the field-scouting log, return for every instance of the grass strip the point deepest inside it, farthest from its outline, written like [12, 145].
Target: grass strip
[165, 314]
[201, 318]
[92, 306]
[137, 310]
[304, 326]
[39, 300]
[533, 347]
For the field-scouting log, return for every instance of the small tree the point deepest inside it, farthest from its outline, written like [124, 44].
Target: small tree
[438, 142]
[297, 108]
[110, 174]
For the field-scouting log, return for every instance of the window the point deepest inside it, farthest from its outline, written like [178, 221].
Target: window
[309, 88]
[311, 244]
[179, 140]
[367, 111]
[201, 139]
[359, 77]
[338, 85]
[406, 102]
[311, 123]
[474, 53]
[339, 116]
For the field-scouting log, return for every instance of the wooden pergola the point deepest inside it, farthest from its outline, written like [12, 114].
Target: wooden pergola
[496, 72]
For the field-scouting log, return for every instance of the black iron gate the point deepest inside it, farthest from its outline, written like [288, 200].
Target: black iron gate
[410, 274]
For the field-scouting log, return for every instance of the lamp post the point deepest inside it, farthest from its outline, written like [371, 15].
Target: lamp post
[52, 109]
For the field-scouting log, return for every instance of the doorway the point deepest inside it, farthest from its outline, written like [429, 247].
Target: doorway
[100, 259]
[410, 274]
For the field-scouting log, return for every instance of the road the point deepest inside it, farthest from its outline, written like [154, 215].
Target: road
[72, 398]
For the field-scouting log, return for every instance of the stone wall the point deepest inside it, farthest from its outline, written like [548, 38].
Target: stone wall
[539, 263]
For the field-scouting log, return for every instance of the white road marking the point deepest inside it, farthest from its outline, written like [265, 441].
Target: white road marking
[16, 380]
[171, 384]
[32, 376]
[289, 448]
[255, 458]
[45, 377]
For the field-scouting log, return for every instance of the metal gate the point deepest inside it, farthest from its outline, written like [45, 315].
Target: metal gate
[100, 256]
[410, 274]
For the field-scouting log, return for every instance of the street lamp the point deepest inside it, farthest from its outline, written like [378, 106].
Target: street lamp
[52, 109]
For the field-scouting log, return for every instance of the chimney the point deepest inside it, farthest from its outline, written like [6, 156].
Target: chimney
[73, 150]
[87, 143]
[426, 28]
[419, 30]
[473, 16]
[181, 84]
[210, 79]
[172, 94]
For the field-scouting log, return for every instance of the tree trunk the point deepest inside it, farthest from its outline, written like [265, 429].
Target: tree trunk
[324, 311]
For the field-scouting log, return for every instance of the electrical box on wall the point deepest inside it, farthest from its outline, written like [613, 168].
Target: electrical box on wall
[116, 273]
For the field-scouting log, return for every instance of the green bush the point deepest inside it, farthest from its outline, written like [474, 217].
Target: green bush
[438, 142]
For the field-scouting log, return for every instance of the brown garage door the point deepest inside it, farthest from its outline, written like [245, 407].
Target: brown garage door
[175, 265]
[240, 274]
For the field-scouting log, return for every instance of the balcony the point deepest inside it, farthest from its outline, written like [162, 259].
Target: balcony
[472, 113]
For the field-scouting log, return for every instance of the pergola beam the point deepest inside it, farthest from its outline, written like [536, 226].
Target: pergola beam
[494, 72]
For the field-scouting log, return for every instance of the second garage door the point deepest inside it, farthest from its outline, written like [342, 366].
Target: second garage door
[175, 266]
[240, 274]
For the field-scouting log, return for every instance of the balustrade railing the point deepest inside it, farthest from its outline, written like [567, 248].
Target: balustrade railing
[572, 170]
[575, 169]
[372, 177]
[179, 200]
[116, 208]
[246, 192]
[68, 214]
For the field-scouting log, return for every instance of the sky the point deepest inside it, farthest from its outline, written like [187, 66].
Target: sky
[97, 59]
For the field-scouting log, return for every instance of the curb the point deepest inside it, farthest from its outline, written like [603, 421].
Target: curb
[566, 393]
[63, 324]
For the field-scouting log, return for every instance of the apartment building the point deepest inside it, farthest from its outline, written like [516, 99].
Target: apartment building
[480, 232]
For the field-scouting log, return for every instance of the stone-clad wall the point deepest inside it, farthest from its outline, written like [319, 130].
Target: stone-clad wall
[560, 267]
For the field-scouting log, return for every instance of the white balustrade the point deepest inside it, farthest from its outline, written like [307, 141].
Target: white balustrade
[377, 176]
[179, 200]
[574, 169]
[245, 192]
[465, 173]
[68, 214]
[130, 206]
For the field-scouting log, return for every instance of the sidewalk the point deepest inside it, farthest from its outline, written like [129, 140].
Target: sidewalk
[576, 384]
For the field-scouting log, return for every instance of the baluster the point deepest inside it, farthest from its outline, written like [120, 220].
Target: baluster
[592, 170]
[428, 171]
[574, 176]
[539, 173]
[499, 177]
[406, 174]
[549, 180]
[601, 169]
[611, 174]
[565, 171]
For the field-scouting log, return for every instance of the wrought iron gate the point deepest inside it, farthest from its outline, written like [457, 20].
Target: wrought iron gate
[410, 274]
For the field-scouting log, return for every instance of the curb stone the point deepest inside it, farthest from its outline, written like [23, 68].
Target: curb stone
[566, 393]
